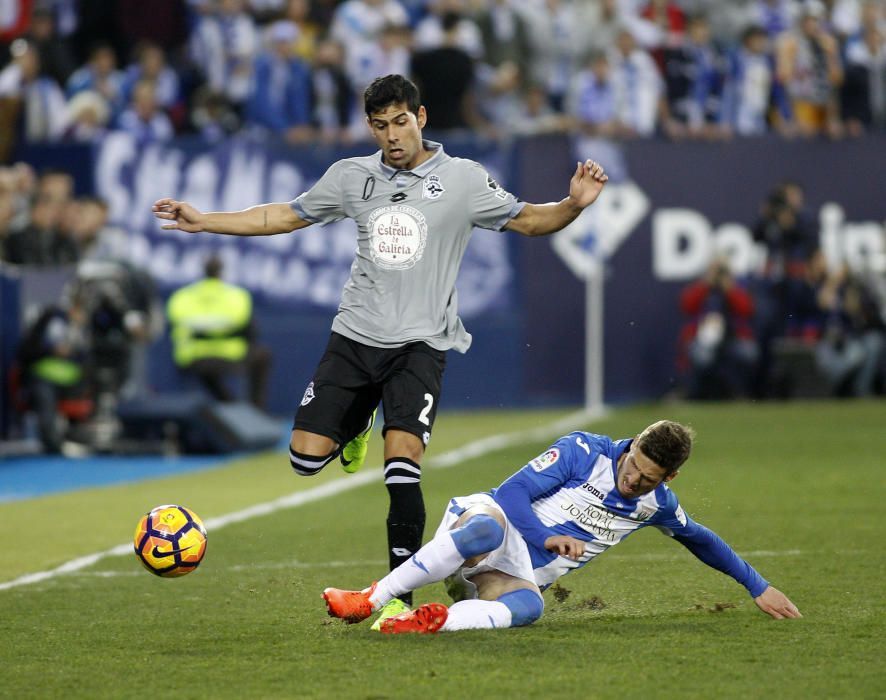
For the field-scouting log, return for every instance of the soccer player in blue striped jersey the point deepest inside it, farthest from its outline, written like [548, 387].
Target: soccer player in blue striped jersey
[498, 551]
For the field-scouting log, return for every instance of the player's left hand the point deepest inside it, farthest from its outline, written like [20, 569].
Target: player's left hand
[587, 182]
[776, 604]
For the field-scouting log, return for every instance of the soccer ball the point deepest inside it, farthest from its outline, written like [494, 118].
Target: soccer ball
[170, 541]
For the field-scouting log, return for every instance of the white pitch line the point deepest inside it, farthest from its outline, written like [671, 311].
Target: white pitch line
[293, 500]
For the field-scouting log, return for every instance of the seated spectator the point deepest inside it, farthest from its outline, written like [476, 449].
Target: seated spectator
[505, 38]
[693, 72]
[281, 101]
[212, 115]
[223, 46]
[639, 100]
[851, 350]
[537, 115]
[864, 91]
[718, 345]
[56, 57]
[145, 119]
[150, 64]
[101, 75]
[332, 97]
[41, 240]
[669, 21]
[88, 117]
[436, 29]
[96, 239]
[808, 65]
[37, 98]
[748, 85]
[592, 101]
[213, 335]
[52, 359]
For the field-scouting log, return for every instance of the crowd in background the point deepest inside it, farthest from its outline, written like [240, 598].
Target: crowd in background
[615, 68]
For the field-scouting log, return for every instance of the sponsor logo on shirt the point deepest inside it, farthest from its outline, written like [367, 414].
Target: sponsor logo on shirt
[546, 460]
[597, 492]
[397, 236]
[433, 188]
[644, 513]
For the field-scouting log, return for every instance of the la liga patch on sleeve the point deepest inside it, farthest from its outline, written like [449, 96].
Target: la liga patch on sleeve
[545, 460]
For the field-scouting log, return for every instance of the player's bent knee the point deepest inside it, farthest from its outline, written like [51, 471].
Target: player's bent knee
[526, 606]
[308, 465]
[481, 534]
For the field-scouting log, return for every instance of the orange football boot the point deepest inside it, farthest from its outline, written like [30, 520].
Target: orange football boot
[425, 619]
[350, 606]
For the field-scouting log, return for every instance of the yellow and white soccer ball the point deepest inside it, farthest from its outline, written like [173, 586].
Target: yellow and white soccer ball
[170, 541]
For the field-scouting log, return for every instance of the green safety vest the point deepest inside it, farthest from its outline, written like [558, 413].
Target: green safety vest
[58, 371]
[208, 318]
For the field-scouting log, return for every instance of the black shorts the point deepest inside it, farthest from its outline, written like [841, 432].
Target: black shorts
[352, 378]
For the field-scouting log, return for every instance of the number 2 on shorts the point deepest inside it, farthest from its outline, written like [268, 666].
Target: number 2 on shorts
[423, 416]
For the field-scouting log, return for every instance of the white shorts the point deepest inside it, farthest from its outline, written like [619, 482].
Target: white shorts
[511, 556]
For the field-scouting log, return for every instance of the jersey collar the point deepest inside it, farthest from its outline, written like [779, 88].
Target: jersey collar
[420, 170]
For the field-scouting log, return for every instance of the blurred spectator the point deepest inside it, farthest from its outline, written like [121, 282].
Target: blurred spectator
[693, 72]
[435, 29]
[748, 85]
[14, 19]
[281, 101]
[505, 38]
[309, 31]
[559, 41]
[864, 90]
[592, 101]
[808, 65]
[607, 17]
[851, 350]
[357, 26]
[100, 75]
[223, 46]
[7, 215]
[213, 335]
[718, 346]
[56, 57]
[774, 16]
[212, 115]
[36, 101]
[40, 241]
[20, 180]
[537, 116]
[389, 54]
[88, 117]
[668, 19]
[843, 17]
[96, 239]
[638, 86]
[150, 64]
[52, 360]
[445, 77]
[332, 96]
[145, 119]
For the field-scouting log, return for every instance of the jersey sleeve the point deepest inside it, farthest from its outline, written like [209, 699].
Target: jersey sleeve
[545, 473]
[324, 202]
[490, 206]
[707, 546]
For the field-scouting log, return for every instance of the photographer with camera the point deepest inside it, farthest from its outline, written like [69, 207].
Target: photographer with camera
[719, 352]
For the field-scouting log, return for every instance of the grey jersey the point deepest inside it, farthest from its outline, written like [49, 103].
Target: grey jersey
[413, 228]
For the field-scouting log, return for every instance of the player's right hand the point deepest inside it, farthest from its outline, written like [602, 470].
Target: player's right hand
[183, 216]
[776, 604]
[565, 546]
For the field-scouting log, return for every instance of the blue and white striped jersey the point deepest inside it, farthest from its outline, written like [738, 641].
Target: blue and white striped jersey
[570, 490]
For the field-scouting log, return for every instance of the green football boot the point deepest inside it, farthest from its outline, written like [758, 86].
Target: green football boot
[395, 606]
[354, 453]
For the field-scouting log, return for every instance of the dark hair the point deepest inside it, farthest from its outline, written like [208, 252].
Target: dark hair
[666, 443]
[390, 90]
[213, 267]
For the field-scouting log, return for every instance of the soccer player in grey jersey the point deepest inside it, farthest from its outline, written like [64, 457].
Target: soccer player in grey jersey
[415, 208]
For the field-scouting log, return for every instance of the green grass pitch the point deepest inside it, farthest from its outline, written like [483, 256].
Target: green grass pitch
[796, 488]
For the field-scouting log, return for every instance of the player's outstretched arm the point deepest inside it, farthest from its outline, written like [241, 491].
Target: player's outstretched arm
[776, 604]
[542, 219]
[261, 220]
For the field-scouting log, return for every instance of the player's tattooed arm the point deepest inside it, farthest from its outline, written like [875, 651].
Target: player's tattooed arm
[261, 220]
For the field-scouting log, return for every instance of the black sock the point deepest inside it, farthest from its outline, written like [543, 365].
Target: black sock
[406, 516]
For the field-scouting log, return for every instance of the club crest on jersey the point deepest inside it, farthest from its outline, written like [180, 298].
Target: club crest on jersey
[397, 236]
[546, 460]
[309, 395]
[433, 188]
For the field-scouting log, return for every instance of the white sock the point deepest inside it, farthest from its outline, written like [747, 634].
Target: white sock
[477, 615]
[432, 563]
